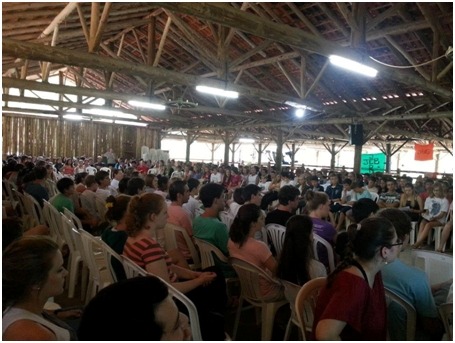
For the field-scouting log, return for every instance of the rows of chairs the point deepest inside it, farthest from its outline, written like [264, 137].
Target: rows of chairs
[92, 256]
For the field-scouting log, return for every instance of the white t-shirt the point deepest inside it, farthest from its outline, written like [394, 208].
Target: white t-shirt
[435, 206]
[215, 178]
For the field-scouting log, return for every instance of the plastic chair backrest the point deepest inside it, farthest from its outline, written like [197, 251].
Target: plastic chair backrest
[249, 276]
[70, 215]
[446, 312]
[132, 269]
[170, 231]
[437, 266]
[206, 249]
[374, 196]
[7, 193]
[290, 292]
[227, 219]
[21, 201]
[34, 208]
[305, 303]
[411, 314]
[91, 170]
[67, 227]
[93, 248]
[54, 222]
[318, 239]
[100, 207]
[276, 234]
[192, 311]
[107, 169]
[114, 262]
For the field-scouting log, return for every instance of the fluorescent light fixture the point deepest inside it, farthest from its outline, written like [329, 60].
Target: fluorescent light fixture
[299, 113]
[112, 114]
[30, 113]
[147, 105]
[353, 66]
[218, 91]
[295, 104]
[246, 140]
[110, 121]
[73, 117]
[132, 123]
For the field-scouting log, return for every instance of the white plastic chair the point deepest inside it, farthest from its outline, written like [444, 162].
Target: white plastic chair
[318, 239]
[70, 215]
[110, 256]
[170, 232]
[91, 170]
[107, 169]
[53, 220]
[437, 266]
[100, 207]
[250, 276]
[305, 303]
[374, 196]
[290, 292]
[7, 193]
[276, 234]
[34, 209]
[436, 234]
[99, 275]
[412, 234]
[132, 269]
[227, 219]
[206, 249]
[411, 314]
[446, 312]
[74, 258]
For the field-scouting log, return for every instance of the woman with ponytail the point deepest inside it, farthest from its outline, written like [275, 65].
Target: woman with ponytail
[242, 245]
[352, 306]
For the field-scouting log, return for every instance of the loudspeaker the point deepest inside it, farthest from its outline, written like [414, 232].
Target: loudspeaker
[356, 134]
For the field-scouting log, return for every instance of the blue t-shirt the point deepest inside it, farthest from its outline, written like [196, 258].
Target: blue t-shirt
[411, 284]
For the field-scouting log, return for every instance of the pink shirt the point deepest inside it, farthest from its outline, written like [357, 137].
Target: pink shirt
[257, 253]
[178, 216]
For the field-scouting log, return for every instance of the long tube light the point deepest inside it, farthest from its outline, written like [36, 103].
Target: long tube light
[353, 66]
[132, 123]
[147, 105]
[246, 140]
[112, 114]
[218, 91]
[73, 117]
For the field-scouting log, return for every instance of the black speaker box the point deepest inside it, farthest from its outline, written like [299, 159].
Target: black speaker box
[356, 134]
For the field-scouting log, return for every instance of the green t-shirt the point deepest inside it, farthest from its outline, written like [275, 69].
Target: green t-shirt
[60, 202]
[213, 231]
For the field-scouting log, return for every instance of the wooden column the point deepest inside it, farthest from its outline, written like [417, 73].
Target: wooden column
[260, 149]
[388, 157]
[279, 150]
[357, 158]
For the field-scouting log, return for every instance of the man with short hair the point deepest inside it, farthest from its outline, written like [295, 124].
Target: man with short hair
[117, 176]
[208, 226]
[411, 284]
[103, 180]
[288, 198]
[251, 194]
[193, 204]
[179, 194]
[36, 188]
[63, 200]
[389, 199]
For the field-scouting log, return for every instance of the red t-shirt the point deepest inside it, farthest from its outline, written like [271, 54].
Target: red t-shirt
[350, 299]
[145, 251]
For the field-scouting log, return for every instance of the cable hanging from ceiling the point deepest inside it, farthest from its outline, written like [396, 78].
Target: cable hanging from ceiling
[448, 54]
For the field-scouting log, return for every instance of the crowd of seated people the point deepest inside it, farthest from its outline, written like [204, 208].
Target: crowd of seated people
[193, 195]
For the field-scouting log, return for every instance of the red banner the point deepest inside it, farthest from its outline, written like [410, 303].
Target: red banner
[423, 152]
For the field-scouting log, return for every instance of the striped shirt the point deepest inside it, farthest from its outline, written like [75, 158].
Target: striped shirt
[145, 251]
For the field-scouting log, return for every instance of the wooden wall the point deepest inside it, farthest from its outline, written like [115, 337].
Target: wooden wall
[56, 138]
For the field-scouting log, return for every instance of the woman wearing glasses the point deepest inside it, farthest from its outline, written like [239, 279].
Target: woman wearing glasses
[352, 305]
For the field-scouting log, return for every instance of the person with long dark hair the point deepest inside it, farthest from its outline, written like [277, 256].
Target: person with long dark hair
[352, 305]
[297, 263]
[242, 245]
